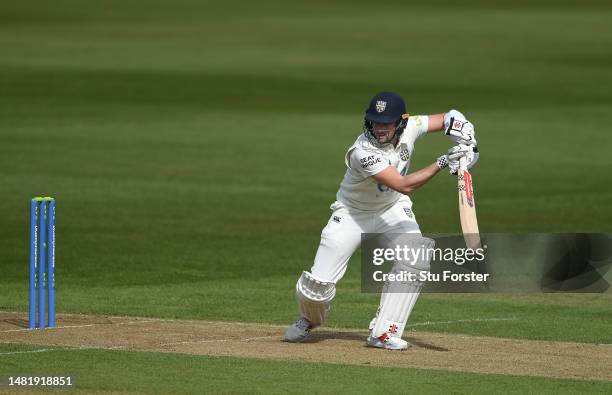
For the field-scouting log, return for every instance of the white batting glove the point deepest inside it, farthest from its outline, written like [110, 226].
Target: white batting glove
[453, 114]
[451, 159]
[443, 162]
[459, 129]
[469, 152]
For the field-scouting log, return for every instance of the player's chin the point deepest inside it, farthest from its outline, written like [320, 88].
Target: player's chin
[381, 138]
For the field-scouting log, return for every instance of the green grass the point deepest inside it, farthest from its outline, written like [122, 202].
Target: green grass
[98, 370]
[194, 151]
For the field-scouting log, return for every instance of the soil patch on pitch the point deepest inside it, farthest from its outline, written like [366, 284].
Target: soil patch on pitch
[428, 351]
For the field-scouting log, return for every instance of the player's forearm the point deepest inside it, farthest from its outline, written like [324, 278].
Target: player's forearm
[417, 179]
[436, 122]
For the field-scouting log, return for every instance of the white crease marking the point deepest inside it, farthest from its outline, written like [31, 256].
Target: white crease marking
[195, 341]
[61, 349]
[259, 338]
[27, 352]
[80, 326]
[248, 339]
[426, 323]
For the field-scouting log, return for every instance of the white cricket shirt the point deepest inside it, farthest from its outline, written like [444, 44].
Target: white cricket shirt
[364, 159]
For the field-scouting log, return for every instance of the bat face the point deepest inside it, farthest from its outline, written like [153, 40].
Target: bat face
[467, 208]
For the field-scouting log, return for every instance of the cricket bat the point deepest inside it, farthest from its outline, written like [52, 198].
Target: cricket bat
[467, 207]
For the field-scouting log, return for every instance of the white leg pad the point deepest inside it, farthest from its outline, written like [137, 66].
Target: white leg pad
[314, 297]
[398, 298]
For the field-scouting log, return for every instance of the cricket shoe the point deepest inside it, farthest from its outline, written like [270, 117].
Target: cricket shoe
[298, 331]
[387, 341]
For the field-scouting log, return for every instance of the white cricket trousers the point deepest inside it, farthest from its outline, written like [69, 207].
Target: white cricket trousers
[342, 235]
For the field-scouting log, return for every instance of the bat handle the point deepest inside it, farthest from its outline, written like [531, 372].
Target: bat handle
[463, 163]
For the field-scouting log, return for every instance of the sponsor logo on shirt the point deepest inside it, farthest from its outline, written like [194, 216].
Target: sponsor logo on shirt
[369, 161]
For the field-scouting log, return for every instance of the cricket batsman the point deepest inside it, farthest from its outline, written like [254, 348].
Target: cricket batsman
[373, 198]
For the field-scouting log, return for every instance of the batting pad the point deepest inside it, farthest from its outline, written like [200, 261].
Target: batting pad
[314, 297]
[399, 297]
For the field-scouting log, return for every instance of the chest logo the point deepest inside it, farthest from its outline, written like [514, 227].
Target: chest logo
[381, 105]
[404, 154]
[409, 212]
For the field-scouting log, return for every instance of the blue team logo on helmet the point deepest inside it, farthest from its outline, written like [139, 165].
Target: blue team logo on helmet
[385, 107]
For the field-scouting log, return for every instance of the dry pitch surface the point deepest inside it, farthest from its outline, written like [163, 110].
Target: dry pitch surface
[428, 350]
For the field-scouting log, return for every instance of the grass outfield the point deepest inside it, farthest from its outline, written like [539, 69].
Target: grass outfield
[194, 153]
[173, 373]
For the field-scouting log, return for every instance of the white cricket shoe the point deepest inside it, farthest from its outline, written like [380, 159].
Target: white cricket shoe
[298, 331]
[387, 341]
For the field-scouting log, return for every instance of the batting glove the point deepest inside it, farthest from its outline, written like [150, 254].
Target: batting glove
[469, 152]
[451, 159]
[459, 129]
